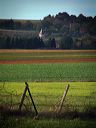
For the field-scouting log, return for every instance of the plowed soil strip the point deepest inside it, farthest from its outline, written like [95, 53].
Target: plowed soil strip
[47, 61]
[47, 51]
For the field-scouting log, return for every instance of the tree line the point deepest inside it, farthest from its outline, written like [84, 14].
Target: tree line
[61, 31]
[65, 23]
[66, 42]
[20, 24]
[21, 43]
[61, 22]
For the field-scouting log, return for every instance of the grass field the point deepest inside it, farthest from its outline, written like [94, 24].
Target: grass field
[47, 95]
[14, 122]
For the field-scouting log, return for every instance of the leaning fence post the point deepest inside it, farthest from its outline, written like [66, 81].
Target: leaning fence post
[31, 98]
[63, 98]
[22, 99]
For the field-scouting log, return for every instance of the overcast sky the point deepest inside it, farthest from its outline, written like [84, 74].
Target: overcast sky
[37, 9]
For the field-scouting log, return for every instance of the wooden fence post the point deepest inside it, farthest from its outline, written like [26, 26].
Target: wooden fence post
[63, 98]
[23, 97]
[31, 98]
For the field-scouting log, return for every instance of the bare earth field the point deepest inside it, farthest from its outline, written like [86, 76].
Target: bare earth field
[47, 61]
[46, 56]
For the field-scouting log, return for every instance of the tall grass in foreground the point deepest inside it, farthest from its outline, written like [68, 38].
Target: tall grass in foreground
[81, 97]
[15, 122]
[47, 95]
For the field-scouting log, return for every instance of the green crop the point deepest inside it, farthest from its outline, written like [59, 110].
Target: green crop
[48, 72]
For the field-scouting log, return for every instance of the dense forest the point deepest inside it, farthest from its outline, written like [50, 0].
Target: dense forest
[62, 31]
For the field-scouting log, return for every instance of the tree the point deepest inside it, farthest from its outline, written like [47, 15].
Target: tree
[18, 25]
[66, 42]
[53, 43]
[41, 43]
[28, 25]
[47, 21]
[81, 19]
[85, 42]
[64, 29]
[58, 23]
[8, 41]
[73, 18]
[48, 43]
[2, 43]
[92, 27]
[64, 16]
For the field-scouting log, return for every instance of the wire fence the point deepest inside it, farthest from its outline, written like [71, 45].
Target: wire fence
[78, 100]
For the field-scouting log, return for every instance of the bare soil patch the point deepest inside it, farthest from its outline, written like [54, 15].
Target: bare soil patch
[47, 61]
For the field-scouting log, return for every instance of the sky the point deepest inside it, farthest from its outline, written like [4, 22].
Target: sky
[38, 9]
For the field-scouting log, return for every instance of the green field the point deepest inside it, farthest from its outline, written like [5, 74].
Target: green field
[47, 94]
[48, 72]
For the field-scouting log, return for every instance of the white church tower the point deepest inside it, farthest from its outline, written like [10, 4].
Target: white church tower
[40, 34]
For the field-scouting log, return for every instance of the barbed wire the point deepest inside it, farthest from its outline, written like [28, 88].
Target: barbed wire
[11, 100]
